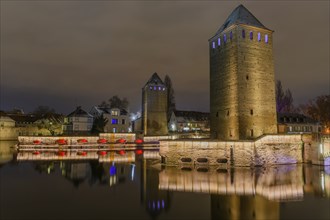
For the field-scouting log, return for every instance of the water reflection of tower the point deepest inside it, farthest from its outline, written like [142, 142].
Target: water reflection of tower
[155, 201]
[76, 172]
[235, 207]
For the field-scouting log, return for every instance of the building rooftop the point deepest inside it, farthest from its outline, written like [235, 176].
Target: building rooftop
[192, 115]
[79, 112]
[106, 110]
[155, 80]
[241, 15]
[294, 118]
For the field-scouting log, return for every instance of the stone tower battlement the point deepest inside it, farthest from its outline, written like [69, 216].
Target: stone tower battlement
[242, 84]
[154, 107]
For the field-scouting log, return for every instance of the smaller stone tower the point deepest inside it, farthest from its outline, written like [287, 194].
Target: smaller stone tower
[154, 107]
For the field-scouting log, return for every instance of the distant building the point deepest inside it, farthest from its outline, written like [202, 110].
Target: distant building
[16, 123]
[7, 128]
[242, 84]
[154, 107]
[78, 122]
[293, 123]
[187, 121]
[118, 119]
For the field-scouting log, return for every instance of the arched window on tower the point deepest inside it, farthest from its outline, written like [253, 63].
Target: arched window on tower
[219, 41]
[259, 37]
[251, 35]
[231, 35]
[224, 38]
[266, 38]
[243, 33]
[213, 45]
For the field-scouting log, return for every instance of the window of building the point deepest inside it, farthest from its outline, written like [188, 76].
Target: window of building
[247, 77]
[155, 87]
[123, 121]
[76, 127]
[150, 87]
[114, 121]
[243, 33]
[227, 112]
[231, 35]
[224, 38]
[114, 130]
[259, 37]
[219, 41]
[266, 38]
[217, 114]
[251, 35]
[76, 118]
[251, 132]
[251, 111]
[159, 88]
[213, 45]
[290, 128]
[114, 112]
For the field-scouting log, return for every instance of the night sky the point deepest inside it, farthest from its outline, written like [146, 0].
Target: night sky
[68, 53]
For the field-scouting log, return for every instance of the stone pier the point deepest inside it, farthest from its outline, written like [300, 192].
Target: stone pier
[266, 150]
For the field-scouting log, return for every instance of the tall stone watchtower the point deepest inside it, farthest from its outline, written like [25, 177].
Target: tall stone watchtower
[242, 80]
[154, 107]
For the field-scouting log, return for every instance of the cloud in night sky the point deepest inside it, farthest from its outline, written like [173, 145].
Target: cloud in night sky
[64, 54]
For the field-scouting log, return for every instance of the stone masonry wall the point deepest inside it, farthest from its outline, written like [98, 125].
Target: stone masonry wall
[268, 150]
[154, 103]
[242, 84]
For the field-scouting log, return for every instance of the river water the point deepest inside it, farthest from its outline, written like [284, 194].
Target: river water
[133, 185]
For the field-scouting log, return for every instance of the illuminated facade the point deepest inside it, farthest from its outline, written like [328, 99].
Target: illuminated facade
[118, 119]
[242, 86]
[78, 122]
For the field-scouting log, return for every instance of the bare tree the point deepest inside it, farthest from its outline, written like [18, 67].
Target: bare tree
[284, 100]
[319, 110]
[170, 96]
[115, 102]
[43, 110]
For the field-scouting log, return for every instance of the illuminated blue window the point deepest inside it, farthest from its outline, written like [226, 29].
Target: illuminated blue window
[243, 33]
[219, 41]
[155, 87]
[224, 38]
[251, 35]
[114, 121]
[259, 37]
[150, 87]
[164, 89]
[266, 38]
[213, 45]
[231, 35]
[159, 88]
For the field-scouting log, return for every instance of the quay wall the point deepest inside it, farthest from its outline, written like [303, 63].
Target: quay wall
[112, 137]
[72, 140]
[267, 150]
